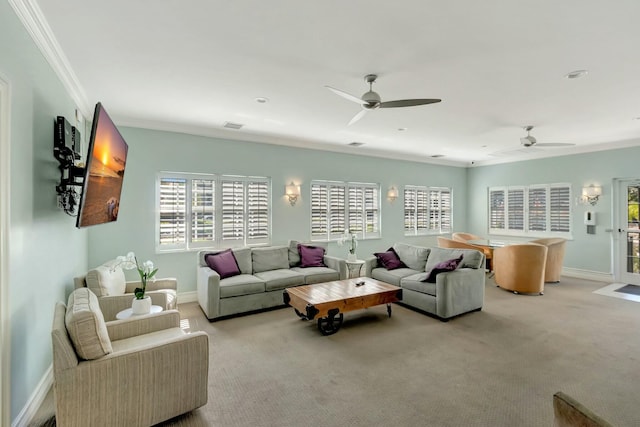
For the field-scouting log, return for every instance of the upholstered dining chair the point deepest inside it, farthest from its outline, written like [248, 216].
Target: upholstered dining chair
[555, 257]
[135, 372]
[520, 267]
[115, 294]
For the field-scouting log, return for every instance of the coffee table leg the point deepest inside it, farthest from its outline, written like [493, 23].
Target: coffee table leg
[331, 324]
[389, 309]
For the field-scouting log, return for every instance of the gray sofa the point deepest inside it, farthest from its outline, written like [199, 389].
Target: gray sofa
[265, 273]
[454, 293]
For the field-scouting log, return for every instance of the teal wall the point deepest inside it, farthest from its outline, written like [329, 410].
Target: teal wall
[154, 151]
[45, 248]
[588, 252]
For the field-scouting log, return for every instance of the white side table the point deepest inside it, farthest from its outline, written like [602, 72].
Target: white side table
[125, 314]
[354, 268]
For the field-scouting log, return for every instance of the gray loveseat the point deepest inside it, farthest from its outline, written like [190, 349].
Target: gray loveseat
[455, 292]
[264, 273]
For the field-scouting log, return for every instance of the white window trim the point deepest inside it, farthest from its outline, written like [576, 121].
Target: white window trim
[217, 242]
[328, 237]
[429, 231]
[518, 233]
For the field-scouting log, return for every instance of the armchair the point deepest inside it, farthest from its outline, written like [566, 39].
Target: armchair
[115, 293]
[135, 372]
[520, 267]
[555, 257]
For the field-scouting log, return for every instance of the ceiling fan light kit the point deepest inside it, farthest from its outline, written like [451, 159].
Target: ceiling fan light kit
[371, 100]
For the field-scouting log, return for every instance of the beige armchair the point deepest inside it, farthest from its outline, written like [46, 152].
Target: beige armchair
[520, 268]
[116, 294]
[136, 372]
[555, 256]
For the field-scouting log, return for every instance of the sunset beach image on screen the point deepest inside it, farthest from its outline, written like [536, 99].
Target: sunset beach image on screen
[104, 175]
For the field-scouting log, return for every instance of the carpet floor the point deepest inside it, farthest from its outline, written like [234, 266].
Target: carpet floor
[497, 367]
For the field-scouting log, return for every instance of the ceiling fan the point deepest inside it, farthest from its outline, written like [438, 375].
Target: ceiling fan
[372, 101]
[529, 141]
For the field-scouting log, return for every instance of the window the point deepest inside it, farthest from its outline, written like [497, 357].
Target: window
[427, 210]
[537, 209]
[340, 206]
[212, 210]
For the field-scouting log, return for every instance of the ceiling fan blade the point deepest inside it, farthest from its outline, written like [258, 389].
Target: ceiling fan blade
[408, 102]
[357, 117]
[346, 95]
[554, 144]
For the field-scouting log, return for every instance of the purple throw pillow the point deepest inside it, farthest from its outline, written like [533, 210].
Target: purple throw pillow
[389, 259]
[224, 263]
[442, 267]
[311, 256]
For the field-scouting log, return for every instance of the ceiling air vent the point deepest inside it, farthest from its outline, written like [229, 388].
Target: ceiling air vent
[231, 125]
[355, 144]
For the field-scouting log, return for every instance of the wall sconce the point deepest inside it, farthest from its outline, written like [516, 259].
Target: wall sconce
[591, 194]
[392, 194]
[292, 192]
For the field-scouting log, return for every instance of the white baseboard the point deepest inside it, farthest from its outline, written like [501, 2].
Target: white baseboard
[188, 296]
[597, 276]
[35, 401]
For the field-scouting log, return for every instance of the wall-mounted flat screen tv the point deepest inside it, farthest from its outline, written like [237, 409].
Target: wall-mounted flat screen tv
[104, 172]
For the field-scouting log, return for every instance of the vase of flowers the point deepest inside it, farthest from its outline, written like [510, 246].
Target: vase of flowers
[351, 240]
[141, 304]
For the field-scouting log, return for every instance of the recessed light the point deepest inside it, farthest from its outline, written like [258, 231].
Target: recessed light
[436, 156]
[576, 74]
[401, 129]
[232, 125]
[355, 144]
[262, 100]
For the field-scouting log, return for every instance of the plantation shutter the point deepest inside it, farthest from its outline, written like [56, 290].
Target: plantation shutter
[410, 202]
[434, 210]
[319, 211]
[422, 211]
[173, 208]
[202, 211]
[257, 212]
[496, 209]
[233, 213]
[537, 209]
[515, 206]
[445, 211]
[356, 210]
[337, 208]
[372, 212]
[560, 209]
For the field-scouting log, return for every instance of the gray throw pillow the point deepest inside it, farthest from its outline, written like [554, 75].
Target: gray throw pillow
[414, 257]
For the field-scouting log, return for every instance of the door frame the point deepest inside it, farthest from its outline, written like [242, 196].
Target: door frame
[5, 224]
[619, 206]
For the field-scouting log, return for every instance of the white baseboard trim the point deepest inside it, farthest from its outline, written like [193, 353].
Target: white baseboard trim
[597, 276]
[35, 401]
[188, 296]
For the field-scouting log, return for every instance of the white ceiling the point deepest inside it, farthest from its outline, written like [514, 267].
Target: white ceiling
[497, 65]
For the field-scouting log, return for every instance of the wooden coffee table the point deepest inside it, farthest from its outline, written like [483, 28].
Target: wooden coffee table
[328, 301]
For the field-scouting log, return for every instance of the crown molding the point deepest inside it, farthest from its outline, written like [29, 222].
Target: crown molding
[38, 28]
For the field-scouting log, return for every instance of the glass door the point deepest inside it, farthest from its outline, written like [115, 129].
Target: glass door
[628, 232]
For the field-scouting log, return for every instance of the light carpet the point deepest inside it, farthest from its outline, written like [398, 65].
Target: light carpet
[497, 367]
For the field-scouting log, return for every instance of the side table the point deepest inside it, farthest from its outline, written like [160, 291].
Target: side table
[354, 268]
[127, 313]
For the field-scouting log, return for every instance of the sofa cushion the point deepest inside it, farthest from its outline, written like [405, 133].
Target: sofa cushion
[86, 326]
[224, 263]
[280, 279]
[389, 259]
[317, 274]
[243, 258]
[471, 257]
[441, 267]
[392, 276]
[106, 279]
[416, 283]
[269, 258]
[294, 253]
[311, 256]
[242, 284]
[414, 257]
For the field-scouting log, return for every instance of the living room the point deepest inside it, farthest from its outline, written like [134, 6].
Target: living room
[42, 250]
